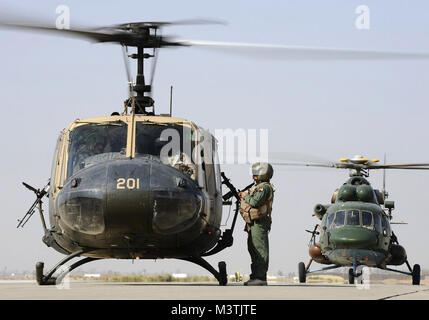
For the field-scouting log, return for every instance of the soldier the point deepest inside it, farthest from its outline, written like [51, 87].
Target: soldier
[256, 209]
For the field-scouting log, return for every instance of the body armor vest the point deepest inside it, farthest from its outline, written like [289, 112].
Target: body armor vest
[249, 213]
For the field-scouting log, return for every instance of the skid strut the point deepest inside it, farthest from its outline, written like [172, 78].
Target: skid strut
[221, 275]
[48, 279]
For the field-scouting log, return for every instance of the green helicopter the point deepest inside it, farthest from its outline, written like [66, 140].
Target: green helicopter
[355, 228]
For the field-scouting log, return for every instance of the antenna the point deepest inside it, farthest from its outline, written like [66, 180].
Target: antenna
[171, 101]
[385, 194]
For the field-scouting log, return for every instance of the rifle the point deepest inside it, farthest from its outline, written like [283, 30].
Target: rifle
[233, 191]
[226, 239]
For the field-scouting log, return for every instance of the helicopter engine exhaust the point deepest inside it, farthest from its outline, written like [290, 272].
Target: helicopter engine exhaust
[398, 255]
[320, 210]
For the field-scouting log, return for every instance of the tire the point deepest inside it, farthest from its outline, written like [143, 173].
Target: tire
[416, 274]
[223, 277]
[351, 276]
[302, 272]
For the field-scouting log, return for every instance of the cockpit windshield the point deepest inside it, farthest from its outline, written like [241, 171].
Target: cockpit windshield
[95, 142]
[357, 218]
[352, 218]
[339, 219]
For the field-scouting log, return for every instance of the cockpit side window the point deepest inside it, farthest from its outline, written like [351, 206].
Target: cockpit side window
[330, 219]
[95, 142]
[377, 222]
[217, 167]
[352, 218]
[366, 219]
[173, 144]
[55, 163]
[386, 226]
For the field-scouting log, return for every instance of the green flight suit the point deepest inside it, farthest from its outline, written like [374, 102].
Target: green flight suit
[257, 240]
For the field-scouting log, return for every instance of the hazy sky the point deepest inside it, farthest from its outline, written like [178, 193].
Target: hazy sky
[329, 109]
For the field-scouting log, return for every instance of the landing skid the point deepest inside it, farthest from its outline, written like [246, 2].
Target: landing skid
[220, 276]
[49, 279]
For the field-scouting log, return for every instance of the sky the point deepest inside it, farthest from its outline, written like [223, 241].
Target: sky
[323, 109]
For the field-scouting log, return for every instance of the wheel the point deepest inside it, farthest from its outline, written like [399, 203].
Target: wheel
[416, 274]
[223, 277]
[351, 276]
[302, 272]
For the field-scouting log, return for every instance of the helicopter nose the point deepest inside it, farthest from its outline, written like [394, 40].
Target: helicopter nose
[146, 197]
[352, 237]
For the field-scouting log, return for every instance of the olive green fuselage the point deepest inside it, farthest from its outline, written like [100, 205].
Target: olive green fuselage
[355, 232]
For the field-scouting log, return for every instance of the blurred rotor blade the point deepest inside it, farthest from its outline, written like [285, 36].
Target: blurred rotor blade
[410, 166]
[103, 35]
[401, 167]
[127, 64]
[296, 159]
[302, 53]
[291, 164]
[80, 33]
[156, 24]
[286, 156]
[155, 59]
[384, 177]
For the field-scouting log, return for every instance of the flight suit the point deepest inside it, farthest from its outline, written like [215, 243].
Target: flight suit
[258, 229]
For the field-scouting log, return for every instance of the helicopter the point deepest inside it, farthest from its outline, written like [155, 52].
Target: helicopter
[141, 185]
[355, 228]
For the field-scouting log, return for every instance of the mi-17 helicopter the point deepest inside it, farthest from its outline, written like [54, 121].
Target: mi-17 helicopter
[139, 185]
[355, 228]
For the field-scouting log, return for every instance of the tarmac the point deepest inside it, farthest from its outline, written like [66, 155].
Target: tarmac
[95, 290]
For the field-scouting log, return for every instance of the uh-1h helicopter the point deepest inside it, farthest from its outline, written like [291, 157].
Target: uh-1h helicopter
[134, 185]
[115, 193]
[355, 229]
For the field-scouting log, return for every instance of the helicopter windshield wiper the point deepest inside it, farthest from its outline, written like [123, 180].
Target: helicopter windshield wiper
[105, 123]
[111, 123]
[155, 123]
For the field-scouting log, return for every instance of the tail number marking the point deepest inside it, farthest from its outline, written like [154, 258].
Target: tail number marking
[130, 183]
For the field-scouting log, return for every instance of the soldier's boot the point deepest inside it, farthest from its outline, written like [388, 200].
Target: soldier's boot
[255, 282]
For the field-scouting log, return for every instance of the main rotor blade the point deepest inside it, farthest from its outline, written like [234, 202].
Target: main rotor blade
[80, 33]
[321, 165]
[303, 53]
[119, 34]
[400, 167]
[126, 64]
[103, 35]
[410, 166]
[155, 24]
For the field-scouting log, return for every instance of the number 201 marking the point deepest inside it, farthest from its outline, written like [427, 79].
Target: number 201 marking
[130, 183]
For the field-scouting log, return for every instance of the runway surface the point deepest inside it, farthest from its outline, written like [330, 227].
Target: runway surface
[29, 290]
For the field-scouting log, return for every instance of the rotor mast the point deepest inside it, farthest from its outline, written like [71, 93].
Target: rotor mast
[143, 35]
[142, 101]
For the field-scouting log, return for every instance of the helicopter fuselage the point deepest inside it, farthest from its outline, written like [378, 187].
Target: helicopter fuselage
[355, 232]
[115, 195]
